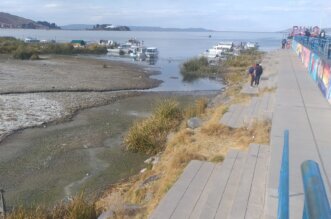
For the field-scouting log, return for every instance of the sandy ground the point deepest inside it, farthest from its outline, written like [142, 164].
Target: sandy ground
[36, 92]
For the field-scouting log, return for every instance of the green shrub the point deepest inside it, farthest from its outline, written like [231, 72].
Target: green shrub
[22, 50]
[196, 68]
[24, 53]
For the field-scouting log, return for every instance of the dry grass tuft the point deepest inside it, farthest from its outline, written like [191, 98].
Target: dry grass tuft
[150, 135]
[197, 109]
[78, 208]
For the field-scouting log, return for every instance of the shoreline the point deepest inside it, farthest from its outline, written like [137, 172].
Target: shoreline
[96, 146]
[14, 72]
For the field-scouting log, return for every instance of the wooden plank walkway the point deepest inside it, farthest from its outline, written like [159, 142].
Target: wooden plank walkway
[206, 190]
[246, 184]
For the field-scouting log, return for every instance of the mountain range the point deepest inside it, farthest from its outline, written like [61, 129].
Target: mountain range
[13, 21]
[136, 28]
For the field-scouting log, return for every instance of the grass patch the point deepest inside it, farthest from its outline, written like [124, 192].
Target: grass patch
[197, 109]
[77, 208]
[217, 159]
[24, 51]
[150, 135]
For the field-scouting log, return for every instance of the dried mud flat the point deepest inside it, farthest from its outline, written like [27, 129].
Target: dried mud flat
[36, 92]
[70, 73]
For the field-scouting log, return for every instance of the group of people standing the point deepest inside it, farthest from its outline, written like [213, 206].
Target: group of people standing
[255, 72]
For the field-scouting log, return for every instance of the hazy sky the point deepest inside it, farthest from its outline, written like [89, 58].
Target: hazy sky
[254, 15]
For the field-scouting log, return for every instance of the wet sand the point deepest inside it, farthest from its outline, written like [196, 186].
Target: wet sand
[47, 164]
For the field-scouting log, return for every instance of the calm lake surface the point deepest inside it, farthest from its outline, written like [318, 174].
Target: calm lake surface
[59, 160]
[174, 49]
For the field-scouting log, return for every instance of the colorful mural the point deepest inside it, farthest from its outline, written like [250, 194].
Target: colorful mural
[318, 68]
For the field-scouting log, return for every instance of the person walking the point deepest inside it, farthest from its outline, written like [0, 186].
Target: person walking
[284, 43]
[251, 72]
[258, 73]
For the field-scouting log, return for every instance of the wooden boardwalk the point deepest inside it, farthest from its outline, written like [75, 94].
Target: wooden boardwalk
[229, 190]
[245, 185]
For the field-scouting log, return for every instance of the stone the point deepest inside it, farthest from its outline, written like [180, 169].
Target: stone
[194, 123]
[150, 179]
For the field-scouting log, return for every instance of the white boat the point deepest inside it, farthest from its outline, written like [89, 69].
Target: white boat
[218, 50]
[31, 40]
[151, 52]
[114, 50]
[251, 45]
[225, 45]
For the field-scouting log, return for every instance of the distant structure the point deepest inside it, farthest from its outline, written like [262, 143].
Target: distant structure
[110, 27]
[78, 43]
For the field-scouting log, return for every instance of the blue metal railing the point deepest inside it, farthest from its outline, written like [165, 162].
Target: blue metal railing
[316, 204]
[316, 201]
[321, 46]
[283, 189]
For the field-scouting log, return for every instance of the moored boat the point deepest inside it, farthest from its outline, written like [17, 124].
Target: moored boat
[151, 52]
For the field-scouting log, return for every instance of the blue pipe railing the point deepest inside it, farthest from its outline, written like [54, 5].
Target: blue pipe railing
[283, 189]
[321, 46]
[316, 204]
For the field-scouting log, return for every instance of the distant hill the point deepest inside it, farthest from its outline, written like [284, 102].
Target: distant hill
[13, 21]
[137, 28]
[171, 29]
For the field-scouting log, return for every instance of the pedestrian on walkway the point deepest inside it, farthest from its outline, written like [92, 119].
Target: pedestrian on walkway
[284, 41]
[251, 72]
[258, 73]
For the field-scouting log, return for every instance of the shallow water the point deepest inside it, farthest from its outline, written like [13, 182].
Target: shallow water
[174, 49]
[51, 163]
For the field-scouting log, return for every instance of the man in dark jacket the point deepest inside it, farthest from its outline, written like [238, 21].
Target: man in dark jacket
[258, 73]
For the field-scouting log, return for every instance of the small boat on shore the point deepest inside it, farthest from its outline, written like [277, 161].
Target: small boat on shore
[218, 50]
[151, 52]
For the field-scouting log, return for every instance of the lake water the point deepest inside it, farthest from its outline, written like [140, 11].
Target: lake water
[174, 49]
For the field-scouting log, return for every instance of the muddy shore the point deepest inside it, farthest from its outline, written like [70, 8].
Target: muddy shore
[61, 125]
[53, 89]
[71, 73]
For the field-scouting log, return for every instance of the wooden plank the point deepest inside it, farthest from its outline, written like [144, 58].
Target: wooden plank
[228, 115]
[209, 202]
[231, 187]
[170, 201]
[257, 196]
[240, 202]
[236, 115]
[192, 194]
